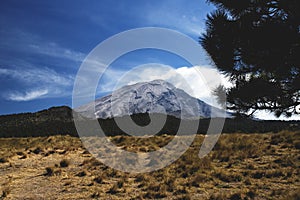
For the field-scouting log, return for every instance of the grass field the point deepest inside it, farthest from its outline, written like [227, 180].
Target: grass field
[241, 166]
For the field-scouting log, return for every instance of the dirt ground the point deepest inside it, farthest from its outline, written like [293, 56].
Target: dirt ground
[241, 166]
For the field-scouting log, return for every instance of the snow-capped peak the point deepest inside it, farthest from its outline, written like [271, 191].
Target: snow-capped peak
[157, 96]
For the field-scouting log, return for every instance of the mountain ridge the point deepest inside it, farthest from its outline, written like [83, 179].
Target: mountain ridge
[157, 96]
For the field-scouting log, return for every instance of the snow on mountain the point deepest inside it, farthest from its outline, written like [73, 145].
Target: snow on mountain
[156, 96]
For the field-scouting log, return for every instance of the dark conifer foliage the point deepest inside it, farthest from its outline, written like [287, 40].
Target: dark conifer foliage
[257, 44]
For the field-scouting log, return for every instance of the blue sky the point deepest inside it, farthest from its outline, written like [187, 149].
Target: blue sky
[43, 43]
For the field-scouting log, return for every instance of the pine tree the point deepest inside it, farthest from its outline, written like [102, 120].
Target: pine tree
[257, 44]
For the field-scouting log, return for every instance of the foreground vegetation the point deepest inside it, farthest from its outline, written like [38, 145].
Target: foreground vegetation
[241, 166]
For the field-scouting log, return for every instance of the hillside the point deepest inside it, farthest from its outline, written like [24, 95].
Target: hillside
[58, 120]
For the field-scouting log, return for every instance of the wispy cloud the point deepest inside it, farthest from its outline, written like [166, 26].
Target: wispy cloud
[54, 50]
[25, 42]
[188, 19]
[36, 83]
[27, 96]
[37, 76]
[33, 72]
[187, 24]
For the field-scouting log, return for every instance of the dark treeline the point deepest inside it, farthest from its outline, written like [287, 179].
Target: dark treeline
[53, 121]
[59, 121]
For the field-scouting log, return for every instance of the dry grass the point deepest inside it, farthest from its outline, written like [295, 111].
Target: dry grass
[241, 166]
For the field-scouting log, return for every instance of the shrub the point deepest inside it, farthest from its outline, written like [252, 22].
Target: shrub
[139, 178]
[113, 189]
[120, 183]
[170, 184]
[236, 196]
[274, 173]
[297, 144]
[276, 139]
[49, 171]
[205, 163]
[5, 192]
[81, 174]
[200, 178]
[20, 153]
[184, 197]
[294, 195]
[218, 196]
[250, 166]
[111, 173]
[155, 195]
[247, 181]
[258, 174]
[154, 188]
[181, 190]
[228, 177]
[285, 161]
[251, 194]
[37, 150]
[3, 160]
[95, 195]
[64, 163]
[98, 180]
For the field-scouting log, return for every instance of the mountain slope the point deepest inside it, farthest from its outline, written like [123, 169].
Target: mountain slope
[157, 96]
